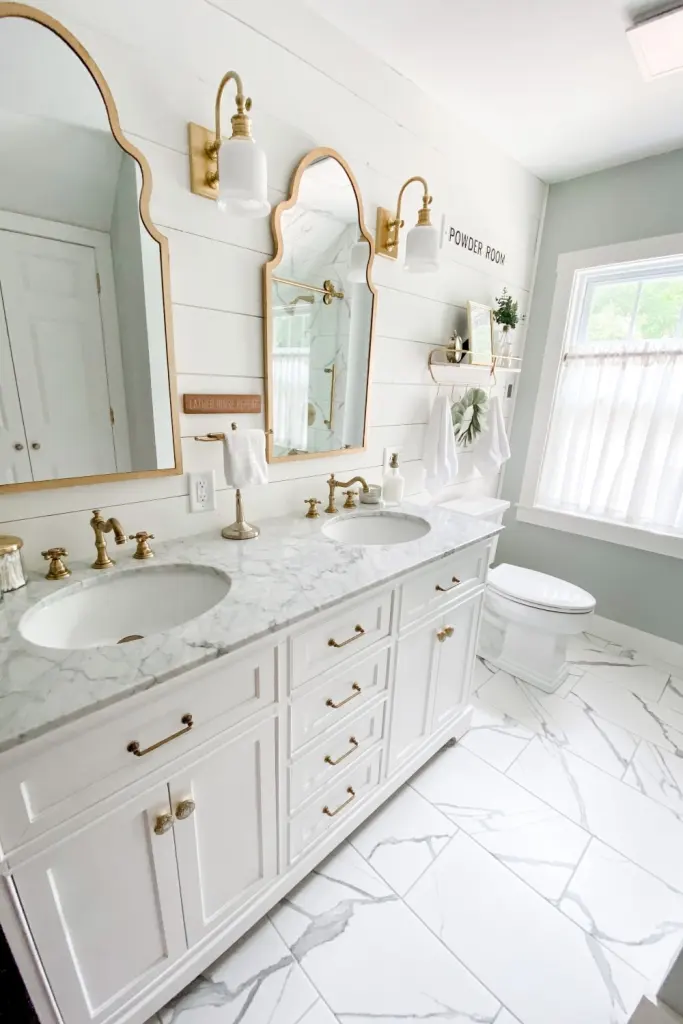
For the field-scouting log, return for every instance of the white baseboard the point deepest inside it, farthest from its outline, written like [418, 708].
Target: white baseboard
[646, 643]
[648, 1012]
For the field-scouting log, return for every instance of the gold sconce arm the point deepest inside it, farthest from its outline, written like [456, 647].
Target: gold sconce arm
[390, 224]
[241, 124]
[205, 144]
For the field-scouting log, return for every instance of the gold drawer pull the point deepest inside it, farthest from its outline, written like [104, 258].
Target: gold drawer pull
[184, 809]
[352, 796]
[444, 590]
[163, 824]
[445, 634]
[134, 747]
[331, 704]
[354, 745]
[359, 633]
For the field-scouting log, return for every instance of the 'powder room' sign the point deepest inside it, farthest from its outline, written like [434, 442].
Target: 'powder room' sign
[455, 236]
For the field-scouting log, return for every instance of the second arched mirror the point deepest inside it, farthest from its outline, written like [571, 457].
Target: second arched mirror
[319, 307]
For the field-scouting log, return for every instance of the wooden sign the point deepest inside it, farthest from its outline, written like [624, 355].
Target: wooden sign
[221, 403]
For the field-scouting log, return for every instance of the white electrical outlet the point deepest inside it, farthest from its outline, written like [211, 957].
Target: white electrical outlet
[202, 491]
[388, 452]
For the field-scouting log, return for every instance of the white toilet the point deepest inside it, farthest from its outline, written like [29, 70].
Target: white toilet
[528, 616]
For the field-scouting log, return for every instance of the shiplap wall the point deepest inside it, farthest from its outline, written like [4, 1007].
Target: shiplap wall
[311, 86]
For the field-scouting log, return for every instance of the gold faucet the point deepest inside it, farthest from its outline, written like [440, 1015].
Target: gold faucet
[333, 484]
[102, 526]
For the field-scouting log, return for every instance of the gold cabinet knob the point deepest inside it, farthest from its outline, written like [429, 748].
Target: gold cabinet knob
[312, 508]
[57, 569]
[163, 823]
[185, 809]
[445, 633]
[143, 550]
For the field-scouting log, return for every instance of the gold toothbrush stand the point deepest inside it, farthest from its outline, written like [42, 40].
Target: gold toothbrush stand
[240, 529]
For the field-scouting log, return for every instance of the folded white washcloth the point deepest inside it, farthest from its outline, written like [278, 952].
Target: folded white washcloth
[492, 447]
[244, 452]
[439, 453]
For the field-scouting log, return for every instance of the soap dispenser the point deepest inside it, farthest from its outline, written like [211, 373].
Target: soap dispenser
[393, 483]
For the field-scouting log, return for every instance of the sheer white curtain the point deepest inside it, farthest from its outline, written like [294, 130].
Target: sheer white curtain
[615, 444]
[291, 372]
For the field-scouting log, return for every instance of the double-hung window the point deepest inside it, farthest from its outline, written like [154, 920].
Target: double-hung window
[607, 457]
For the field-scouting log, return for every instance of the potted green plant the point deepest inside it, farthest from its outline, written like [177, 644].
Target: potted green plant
[507, 316]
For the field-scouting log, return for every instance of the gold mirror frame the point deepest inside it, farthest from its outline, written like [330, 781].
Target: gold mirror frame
[312, 157]
[17, 10]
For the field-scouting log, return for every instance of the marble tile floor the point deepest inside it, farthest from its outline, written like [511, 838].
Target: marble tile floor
[530, 875]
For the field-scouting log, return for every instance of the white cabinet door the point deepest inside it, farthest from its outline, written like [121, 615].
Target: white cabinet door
[104, 908]
[226, 827]
[458, 630]
[14, 461]
[55, 330]
[411, 701]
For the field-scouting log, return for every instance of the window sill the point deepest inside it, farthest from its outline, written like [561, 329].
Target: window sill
[613, 533]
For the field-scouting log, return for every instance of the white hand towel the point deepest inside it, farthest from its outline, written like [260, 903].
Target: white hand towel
[439, 453]
[492, 448]
[244, 452]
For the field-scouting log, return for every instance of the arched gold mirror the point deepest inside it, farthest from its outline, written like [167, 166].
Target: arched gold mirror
[87, 382]
[319, 311]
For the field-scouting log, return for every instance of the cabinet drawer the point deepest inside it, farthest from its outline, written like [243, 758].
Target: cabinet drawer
[335, 754]
[447, 579]
[90, 759]
[341, 693]
[332, 805]
[345, 632]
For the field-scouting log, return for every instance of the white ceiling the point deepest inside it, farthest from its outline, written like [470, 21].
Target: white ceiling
[553, 82]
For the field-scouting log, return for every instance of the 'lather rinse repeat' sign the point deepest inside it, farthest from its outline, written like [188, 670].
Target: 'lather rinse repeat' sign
[462, 240]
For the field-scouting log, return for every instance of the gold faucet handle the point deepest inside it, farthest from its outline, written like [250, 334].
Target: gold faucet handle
[57, 569]
[143, 550]
[312, 510]
[350, 499]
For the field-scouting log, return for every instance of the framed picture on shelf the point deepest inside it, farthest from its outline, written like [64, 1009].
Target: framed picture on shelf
[480, 329]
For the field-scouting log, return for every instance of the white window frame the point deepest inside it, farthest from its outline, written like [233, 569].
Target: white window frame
[528, 511]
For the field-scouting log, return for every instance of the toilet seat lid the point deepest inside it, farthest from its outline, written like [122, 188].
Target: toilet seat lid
[537, 590]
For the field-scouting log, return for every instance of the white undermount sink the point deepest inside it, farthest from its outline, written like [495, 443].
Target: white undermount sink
[366, 528]
[124, 606]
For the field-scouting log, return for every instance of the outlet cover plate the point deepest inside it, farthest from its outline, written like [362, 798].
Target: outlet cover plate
[202, 490]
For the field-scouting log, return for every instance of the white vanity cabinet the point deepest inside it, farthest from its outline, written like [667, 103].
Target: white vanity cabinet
[131, 872]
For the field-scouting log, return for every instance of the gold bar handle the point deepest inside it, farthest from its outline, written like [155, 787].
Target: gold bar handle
[134, 747]
[445, 634]
[331, 704]
[333, 384]
[334, 761]
[359, 633]
[444, 590]
[352, 796]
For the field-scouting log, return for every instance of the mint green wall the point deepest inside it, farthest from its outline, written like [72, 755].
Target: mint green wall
[638, 200]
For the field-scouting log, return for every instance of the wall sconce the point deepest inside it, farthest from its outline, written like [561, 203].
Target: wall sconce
[233, 170]
[422, 241]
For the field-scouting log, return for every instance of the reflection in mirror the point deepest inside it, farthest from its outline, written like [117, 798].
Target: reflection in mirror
[84, 368]
[480, 328]
[319, 314]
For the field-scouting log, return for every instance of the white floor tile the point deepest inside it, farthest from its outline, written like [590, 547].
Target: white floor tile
[645, 719]
[482, 672]
[494, 736]
[540, 964]
[257, 980]
[673, 694]
[368, 955]
[505, 1017]
[402, 839]
[644, 831]
[318, 1014]
[535, 842]
[621, 666]
[659, 775]
[570, 724]
[626, 909]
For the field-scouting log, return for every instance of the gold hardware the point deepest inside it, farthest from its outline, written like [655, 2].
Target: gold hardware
[330, 293]
[134, 747]
[327, 291]
[18, 446]
[164, 823]
[129, 639]
[101, 526]
[332, 484]
[389, 224]
[35, 445]
[143, 550]
[352, 794]
[329, 422]
[10, 544]
[57, 570]
[312, 510]
[112, 417]
[350, 499]
[204, 144]
[184, 809]
[335, 761]
[444, 590]
[359, 633]
[444, 634]
[356, 692]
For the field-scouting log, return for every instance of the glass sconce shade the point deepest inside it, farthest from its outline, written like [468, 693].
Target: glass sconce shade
[243, 178]
[358, 262]
[422, 249]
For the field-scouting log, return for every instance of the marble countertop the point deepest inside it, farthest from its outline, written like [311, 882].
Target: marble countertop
[288, 574]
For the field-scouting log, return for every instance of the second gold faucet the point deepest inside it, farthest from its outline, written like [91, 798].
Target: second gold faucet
[102, 526]
[333, 484]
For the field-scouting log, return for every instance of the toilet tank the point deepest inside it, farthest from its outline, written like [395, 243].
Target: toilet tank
[480, 508]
